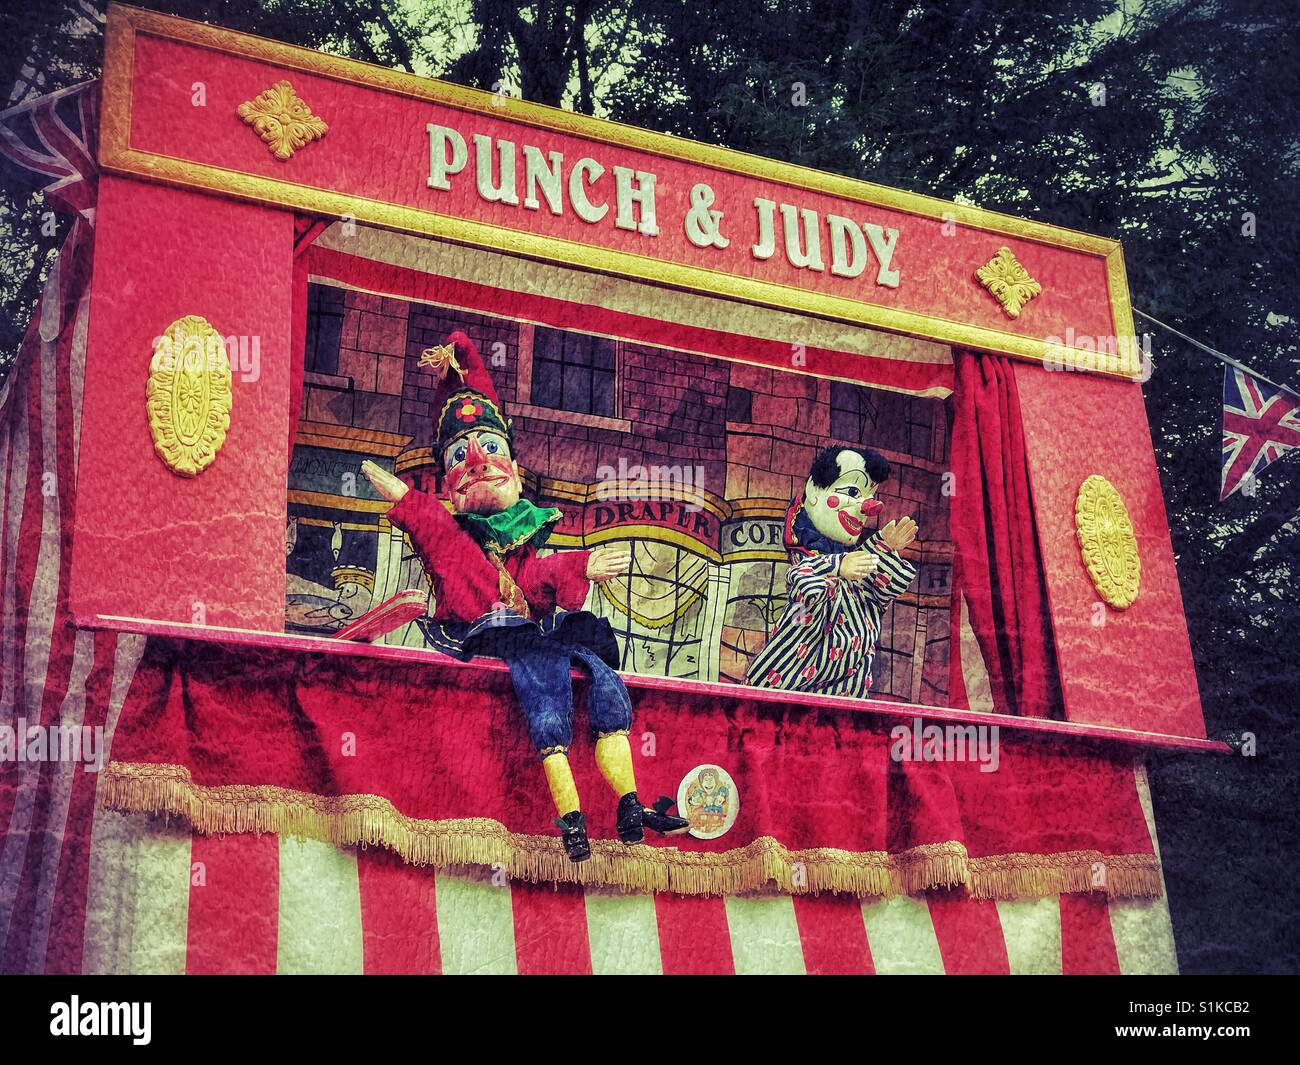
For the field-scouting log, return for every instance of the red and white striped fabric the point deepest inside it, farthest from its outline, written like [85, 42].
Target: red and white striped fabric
[49, 672]
[165, 901]
[88, 890]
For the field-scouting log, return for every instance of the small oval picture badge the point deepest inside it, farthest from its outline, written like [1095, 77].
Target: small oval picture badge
[707, 797]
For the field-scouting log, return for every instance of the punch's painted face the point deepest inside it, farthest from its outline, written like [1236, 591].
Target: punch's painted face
[839, 512]
[482, 478]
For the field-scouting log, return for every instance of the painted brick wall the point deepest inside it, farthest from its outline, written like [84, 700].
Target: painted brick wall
[750, 431]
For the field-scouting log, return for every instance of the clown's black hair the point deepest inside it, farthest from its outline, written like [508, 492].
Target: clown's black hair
[826, 470]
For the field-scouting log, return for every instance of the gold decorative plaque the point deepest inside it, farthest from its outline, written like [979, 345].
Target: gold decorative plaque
[1110, 550]
[1008, 281]
[282, 120]
[189, 395]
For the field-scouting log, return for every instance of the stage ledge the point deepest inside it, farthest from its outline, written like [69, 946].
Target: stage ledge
[1028, 727]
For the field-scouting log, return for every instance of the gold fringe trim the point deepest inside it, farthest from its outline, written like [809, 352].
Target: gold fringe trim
[1034, 876]
[371, 820]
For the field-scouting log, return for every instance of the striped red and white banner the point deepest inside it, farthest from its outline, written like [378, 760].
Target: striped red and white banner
[164, 901]
[50, 673]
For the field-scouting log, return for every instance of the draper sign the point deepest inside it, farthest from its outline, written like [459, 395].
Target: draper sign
[585, 187]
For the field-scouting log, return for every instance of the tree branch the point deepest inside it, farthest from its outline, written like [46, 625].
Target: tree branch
[400, 46]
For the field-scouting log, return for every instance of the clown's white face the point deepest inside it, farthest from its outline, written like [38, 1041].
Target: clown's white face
[839, 512]
[482, 478]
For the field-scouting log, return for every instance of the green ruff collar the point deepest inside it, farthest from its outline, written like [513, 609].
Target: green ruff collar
[525, 522]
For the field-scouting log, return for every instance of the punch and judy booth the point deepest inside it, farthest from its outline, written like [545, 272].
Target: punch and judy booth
[265, 245]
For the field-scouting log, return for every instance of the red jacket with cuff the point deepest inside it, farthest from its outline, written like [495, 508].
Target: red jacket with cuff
[466, 584]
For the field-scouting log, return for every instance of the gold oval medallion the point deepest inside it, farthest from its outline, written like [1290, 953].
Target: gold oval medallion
[189, 395]
[1107, 541]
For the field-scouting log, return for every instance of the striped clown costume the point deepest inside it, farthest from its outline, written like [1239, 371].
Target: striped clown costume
[839, 583]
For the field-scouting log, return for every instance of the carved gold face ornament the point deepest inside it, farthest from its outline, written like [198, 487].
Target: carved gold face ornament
[840, 511]
[482, 478]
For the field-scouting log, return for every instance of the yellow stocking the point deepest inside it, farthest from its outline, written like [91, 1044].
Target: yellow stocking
[559, 776]
[614, 757]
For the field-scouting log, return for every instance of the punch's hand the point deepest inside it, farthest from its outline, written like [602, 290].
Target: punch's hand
[899, 533]
[384, 482]
[606, 563]
[857, 564]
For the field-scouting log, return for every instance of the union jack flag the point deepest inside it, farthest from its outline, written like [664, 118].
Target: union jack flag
[47, 145]
[1261, 423]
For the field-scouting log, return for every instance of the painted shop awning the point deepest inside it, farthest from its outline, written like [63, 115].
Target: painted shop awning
[420, 268]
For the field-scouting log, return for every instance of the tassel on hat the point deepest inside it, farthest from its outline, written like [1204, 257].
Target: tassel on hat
[465, 400]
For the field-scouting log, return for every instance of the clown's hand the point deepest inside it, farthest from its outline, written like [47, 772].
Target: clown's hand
[606, 563]
[899, 533]
[384, 482]
[857, 564]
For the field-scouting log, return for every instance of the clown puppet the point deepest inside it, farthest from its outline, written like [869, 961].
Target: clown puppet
[496, 596]
[840, 580]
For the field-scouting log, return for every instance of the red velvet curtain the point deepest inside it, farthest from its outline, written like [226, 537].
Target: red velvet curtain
[431, 758]
[306, 228]
[996, 560]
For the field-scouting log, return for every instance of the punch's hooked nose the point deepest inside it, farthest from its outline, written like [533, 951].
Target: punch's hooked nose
[475, 456]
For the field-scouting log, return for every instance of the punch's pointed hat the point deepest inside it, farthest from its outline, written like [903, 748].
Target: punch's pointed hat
[465, 400]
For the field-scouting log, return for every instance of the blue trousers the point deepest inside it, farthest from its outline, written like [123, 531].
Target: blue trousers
[540, 668]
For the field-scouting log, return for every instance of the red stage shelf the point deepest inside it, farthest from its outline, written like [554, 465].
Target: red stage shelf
[704, 690]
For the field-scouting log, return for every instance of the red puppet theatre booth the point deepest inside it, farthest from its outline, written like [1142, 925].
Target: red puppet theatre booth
[914, 747]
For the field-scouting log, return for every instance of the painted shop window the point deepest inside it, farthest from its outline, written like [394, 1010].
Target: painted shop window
[755, 600]
[325, 307]
[911, 662]
[659, 611]
[329, 571]
[887, 421]
[853, 412]
[913, 428]
[574, 372]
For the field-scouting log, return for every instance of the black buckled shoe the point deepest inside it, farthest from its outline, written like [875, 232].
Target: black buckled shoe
[630, 814]
[658, 818]
[633, 818]
[576, 843]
